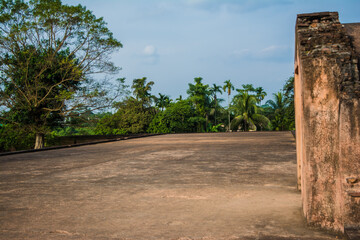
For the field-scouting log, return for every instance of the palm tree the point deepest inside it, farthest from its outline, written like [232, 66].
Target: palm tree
[162, 101]
[228, 87]
[278, 107]
[260, 94]
[248, 117]
[213, 90]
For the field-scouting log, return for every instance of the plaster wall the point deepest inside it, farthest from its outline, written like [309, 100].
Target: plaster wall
[327, 93]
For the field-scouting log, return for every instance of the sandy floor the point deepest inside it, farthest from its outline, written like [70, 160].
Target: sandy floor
[184, 186]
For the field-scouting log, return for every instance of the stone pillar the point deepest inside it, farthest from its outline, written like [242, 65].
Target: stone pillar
[327, 121]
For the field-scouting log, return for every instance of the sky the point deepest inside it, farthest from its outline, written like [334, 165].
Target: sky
[173, 41]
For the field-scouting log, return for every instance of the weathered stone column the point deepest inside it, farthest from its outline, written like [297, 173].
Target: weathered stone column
[327, 93]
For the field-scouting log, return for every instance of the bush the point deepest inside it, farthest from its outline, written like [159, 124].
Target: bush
[132, 117]
[177, 118]
[13, 138]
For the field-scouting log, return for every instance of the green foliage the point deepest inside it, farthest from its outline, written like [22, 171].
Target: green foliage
[246, 110]
[73, 131]
[160, 124]
[141, 91]
[258, 92]
[199, 95]
[132, 117]
[177, 118]
[162, 101]
[277, 109]
[13, 138]
[216, 128]
[228, 86]
[213, 92]
[288, 90]
[47, 52]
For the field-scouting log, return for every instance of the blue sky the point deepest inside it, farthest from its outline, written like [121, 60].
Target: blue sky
[172, 41]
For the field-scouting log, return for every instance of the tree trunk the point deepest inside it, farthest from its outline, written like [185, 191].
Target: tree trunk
[39, 140]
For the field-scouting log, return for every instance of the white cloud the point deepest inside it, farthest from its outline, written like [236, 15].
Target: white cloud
[149, 50]
[150, 55]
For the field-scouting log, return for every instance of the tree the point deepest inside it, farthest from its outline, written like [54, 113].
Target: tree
[180, 98]
[134, 114]
[131, 117]
[247, 88]
[162, 101]
[199, 95]
[141, 91]
[260, 94]
[176, 118]
[213, 90]
[259, 91]
[228, 87]
[248, 118]
[278, 108]
[48, 54]
[288, 90]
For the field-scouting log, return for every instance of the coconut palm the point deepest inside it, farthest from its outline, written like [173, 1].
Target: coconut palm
[248, 118]
[228, 87]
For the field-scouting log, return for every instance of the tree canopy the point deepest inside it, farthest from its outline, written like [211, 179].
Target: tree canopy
[48, 55]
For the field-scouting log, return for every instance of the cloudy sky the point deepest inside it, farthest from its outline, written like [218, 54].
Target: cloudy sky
[172, 41]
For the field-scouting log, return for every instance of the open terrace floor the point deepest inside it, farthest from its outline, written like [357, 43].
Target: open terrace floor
[182, 186]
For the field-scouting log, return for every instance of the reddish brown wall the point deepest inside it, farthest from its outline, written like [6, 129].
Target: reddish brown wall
[327, 94]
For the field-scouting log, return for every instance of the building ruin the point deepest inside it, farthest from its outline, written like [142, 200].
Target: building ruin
[327, 105]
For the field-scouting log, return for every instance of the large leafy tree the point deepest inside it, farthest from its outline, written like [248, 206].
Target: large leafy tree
[228, 87]
[141, 90]
[48, 55]
[178, 117]
[131, 117]
[199, 96]
[134, 114]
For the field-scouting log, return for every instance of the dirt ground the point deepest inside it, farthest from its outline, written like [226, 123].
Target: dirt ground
[184, 186]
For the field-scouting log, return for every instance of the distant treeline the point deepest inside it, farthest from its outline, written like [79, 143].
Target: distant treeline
[201, 110]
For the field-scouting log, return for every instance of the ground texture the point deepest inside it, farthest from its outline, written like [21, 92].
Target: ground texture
[184, 186]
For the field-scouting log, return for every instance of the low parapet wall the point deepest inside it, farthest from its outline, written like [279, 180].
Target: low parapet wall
[327, 104]
[76, 141]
